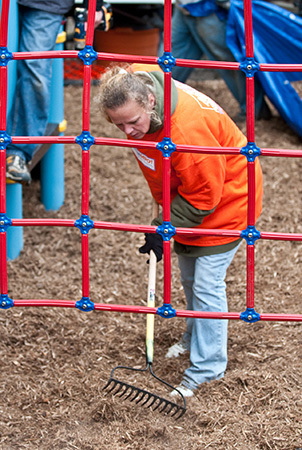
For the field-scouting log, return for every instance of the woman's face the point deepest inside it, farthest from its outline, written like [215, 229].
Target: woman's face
[132, 118]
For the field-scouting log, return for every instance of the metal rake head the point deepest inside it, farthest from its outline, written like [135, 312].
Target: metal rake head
[132, 393]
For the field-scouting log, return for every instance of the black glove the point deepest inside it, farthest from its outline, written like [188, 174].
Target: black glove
[154, 241]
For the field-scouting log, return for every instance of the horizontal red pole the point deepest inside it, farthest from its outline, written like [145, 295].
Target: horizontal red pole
[126, 58]
[207, 232]
[44, 302]
[207, 64]
[281, 67]
[281, 152]
[152, 145]
[124, 227]
[153, 60]
[125, 308]
[208, 150]
[148, 310]
[126, 143]
[45, 55]
[281, 236]
[116, 226]
[43, 139]
[43, 222]
[281, 317]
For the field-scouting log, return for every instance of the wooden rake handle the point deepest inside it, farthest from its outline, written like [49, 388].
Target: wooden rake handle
[151, 297]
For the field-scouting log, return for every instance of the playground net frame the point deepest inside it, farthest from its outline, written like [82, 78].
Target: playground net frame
[85, 140]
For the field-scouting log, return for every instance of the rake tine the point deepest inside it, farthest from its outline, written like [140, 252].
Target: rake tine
[155, 397]
[148, 398]
[166, 404]
[136, 395]
[141, 398]
[132, 389]
[114, 384]
[108, 383]
[172, 405]
[179, 409]
[125, 390]
[161, 400]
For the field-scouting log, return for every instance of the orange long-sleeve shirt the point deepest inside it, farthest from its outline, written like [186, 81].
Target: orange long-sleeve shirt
[207, 182]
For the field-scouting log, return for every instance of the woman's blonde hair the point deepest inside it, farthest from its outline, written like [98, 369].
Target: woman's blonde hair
[119, 85]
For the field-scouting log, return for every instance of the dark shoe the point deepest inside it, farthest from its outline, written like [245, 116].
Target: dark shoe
[16, 170]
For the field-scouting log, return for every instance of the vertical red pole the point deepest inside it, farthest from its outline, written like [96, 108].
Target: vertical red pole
[90, 22]
[85, 265]
[3, 113]
[86, 97]
[85, 182]
[250, 111]
[4, 23]
[2, 182]
[250, 91]
[3, 97]
[251, 193]
[3, 263]
[250, 275]
[167, 25]
[85, 153]
[167, 271]
[167, 160]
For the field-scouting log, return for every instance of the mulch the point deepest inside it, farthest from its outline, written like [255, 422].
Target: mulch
[56, 361]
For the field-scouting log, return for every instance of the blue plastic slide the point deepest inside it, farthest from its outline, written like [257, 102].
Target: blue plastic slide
[277, 40]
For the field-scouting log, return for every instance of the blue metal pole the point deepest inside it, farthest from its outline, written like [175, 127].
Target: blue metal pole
[13, 191]
[52, 164]
[14, 211]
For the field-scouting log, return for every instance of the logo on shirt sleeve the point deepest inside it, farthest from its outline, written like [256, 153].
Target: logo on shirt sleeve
[145, 160]
[203, 100]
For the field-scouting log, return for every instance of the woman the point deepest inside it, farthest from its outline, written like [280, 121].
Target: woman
[207, 191]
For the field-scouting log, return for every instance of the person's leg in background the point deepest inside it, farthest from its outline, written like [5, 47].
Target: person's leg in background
[29, 114]
[183, 44]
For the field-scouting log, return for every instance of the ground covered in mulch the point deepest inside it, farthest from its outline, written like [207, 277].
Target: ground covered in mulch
[55, 361]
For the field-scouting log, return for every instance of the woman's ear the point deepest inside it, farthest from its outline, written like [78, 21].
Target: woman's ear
[151, 100]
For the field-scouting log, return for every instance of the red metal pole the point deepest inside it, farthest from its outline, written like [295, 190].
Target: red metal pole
[251, 193]
[250, 109]
[3, 97]
[85, 182]
[85, 265]
[3, 263]
[86, 97]
[2, 182]
[4, 23]
[147, 310]
[250, 276]
[90, 22]
[167, 25]
[248, 26]
[167, 271]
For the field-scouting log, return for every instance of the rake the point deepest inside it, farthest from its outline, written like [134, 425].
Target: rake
[127, 391]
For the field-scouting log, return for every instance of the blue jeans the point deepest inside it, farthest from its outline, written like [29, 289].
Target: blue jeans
[200, 37]
[29, 113]
[203, 280]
